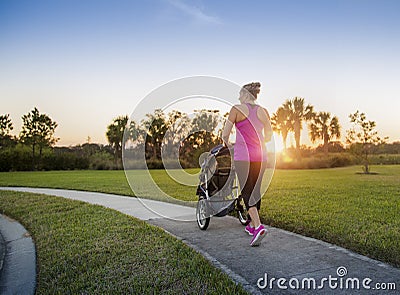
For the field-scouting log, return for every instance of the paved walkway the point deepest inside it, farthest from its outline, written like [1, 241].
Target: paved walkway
[284, 259]
[17, 258]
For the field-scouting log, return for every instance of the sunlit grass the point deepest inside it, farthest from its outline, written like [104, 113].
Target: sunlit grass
[359, 212]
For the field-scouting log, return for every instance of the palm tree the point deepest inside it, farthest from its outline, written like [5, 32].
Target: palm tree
[299, 113]
[325, 128]
[155, 127]
[281, 122]
[115, 134]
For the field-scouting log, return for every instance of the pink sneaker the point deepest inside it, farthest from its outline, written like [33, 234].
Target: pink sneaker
[258, 235]
[249, 229]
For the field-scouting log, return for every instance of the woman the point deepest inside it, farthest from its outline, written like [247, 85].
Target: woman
[253, 130]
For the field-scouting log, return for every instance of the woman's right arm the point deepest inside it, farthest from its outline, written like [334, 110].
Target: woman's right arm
[267, 126]
[229, 125]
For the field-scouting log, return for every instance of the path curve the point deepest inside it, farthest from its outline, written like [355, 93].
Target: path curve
[282, 255]
[17, 258]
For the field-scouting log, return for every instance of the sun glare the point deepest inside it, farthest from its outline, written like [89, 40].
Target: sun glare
[278, 143]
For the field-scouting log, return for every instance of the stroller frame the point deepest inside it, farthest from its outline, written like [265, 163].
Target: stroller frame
[218, 189]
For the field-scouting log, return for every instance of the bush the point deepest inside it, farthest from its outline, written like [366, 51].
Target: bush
[102, 161]
[384, 159]
[5, 160]
[19, 158]
[155, 164]
[315, 161]
[341, 160]
[53, 160]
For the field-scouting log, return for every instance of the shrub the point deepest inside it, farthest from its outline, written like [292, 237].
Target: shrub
[341, 160]
[102, 161]
[315, 161]
[20, 158]
[154, 164]
[5, 160]
[385, 159]
[54, 160]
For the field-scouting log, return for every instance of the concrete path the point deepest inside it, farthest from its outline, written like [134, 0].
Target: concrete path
[285, 263]
[17, 258]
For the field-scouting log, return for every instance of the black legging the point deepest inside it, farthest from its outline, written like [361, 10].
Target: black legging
[250, 176]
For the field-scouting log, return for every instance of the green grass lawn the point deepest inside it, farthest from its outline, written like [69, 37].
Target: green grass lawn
[111, 181]
[87, 180]
[89, 249]
[358, 212]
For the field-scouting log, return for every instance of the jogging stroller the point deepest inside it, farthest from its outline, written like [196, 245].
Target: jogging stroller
[218, 189]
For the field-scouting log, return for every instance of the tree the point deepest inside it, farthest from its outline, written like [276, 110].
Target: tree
[203, 135]
[38, 132]
[6, 127]
[299, 113]
[281, 122]
[363, 137]
[204, 125]
[155, 127]
[134, 132]
[115, 135]
[178, 125]
[324, 128]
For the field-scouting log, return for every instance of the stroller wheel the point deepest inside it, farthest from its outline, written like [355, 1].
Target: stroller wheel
[201, 214]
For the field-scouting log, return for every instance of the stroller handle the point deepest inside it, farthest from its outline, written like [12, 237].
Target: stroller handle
[220, 149]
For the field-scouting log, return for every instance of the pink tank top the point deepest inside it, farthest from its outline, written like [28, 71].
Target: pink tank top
[250, 144]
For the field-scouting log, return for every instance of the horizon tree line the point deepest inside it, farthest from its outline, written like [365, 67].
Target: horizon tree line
[161, 132]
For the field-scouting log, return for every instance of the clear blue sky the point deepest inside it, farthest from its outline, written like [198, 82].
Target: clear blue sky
[86, 62]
